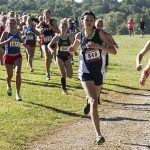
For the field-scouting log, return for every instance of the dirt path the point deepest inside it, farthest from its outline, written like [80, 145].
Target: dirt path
[125, 124]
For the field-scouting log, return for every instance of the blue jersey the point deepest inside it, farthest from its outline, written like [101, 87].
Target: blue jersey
[29, 37]
[13, 47]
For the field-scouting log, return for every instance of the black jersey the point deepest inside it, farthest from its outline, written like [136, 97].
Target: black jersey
[142, 25]
[47, 34]
[63, 45]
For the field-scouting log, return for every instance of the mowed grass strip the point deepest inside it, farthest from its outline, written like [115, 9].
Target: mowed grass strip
[44, 108]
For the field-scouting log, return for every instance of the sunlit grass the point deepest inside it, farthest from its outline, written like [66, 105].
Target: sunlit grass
[44, 107]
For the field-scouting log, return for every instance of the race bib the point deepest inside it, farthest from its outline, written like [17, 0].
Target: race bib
[64, 48]
[14, 44]
[92, 55]
[29, 37]
[47, 38]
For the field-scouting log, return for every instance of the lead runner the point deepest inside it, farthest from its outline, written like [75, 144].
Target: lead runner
[91, 65]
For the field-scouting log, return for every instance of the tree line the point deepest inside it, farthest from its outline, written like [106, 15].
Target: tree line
[115, 14]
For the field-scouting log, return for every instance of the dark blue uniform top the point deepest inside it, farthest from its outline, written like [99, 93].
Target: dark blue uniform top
[29, 37]
[92, 57]
[13, 47]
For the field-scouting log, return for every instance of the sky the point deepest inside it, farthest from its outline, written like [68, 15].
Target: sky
[78, 0]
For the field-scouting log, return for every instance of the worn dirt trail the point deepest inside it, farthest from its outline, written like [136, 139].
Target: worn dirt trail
[125, 124]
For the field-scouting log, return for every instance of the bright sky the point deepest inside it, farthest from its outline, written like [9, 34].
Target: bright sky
[78, 0]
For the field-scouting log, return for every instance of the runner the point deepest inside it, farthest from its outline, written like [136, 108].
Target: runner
[100, 26]
[30, 41]
[63, 41]
[130, 27]
[47, 28]
[142, 27]
[2, 28]
[38, 38]
[12, 58]
[146, 71]
[72, 30]
[90, 65]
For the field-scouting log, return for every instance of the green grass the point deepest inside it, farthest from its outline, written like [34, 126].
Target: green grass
[43, 106]
[122, 75]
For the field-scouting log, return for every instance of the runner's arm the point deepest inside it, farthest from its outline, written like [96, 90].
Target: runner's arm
[52, 42]
[73, 48]
[141, 54]
[4, 39]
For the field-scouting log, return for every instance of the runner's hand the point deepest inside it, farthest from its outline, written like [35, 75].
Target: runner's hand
[92, 45]
[52, 51]
[71, 50]
[142, 81]
[10, 38]
[139, 67]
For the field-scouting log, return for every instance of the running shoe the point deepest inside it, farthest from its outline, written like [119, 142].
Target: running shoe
[18, 97]
[100, 140]
[64, 92]
[9, 91]
[72, 62]
[47, 76]
[31, 70]
[86, 108]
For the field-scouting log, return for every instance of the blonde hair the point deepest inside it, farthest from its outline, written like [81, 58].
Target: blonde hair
[63, 20]
[46, 10]
[99, 20]
[10, 14]
[10, 20]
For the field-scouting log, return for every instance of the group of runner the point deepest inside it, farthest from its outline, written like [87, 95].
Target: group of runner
[27, 30]
[60, 42]
[141, 27]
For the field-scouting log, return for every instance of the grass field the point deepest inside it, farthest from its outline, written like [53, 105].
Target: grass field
[44, 107]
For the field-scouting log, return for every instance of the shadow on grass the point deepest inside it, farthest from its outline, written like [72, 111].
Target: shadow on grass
[126, 104]
[123, 86]
[140, 145]
[60, 111]
[49, 84]
[122, 119]
[126, 93]
[40, 73]
[44, 84]
[131, 106]
[83, 116]
[111, 80]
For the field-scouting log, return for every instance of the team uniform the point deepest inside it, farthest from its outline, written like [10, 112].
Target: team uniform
[12, 48]
[63, 45]
[142, 25]
[91, 61]
[2, 28]
[130, 25]
[71, 29]
[47, 35]
[30, 39]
